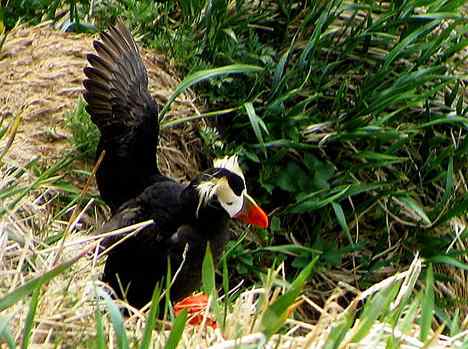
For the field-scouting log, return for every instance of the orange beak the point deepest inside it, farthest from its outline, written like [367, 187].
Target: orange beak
[251, 213]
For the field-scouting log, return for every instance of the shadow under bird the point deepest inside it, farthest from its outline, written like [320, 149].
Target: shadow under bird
[129, 181]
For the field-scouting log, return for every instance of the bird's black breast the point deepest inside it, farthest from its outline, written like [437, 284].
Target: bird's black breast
[135, 266]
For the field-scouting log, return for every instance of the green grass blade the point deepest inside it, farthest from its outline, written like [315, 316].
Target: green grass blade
[449, 260]
[311, 204]
[5, 334]
[459, 208]
[381, 159]
[340, 216]
[28, 325]
[178, 327]
[373, 309]
[445, 120]
[226, 292]
[116, 319]
[407, 324]
[314, 39]
[209, 283]
[449, 181]
[208, 272]
[256, 122]
[277, 312]
[454, 324]
[280, 67]
[338, 334]
[205, 75]
[100, 336]
[151, 320]
[450, 97]
[403, 44]
[167, 294]
[211, 114]
[26, 289]
[413, 206]
[427, 306]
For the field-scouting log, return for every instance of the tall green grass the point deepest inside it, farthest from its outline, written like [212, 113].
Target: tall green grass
[355, 131]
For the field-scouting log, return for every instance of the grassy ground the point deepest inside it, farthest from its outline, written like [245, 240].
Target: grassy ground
[51, 296]
[350, 119]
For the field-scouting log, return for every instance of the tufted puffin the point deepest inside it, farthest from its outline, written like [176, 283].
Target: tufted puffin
[186, 217]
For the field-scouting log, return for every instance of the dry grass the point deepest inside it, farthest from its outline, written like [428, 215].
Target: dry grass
[41, 70]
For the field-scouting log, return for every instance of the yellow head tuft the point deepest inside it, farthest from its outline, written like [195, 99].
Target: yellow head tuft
[229, 163]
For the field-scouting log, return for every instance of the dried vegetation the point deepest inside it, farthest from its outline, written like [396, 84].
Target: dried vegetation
[41, 70]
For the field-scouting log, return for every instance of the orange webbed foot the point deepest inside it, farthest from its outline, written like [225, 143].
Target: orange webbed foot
[196, 306]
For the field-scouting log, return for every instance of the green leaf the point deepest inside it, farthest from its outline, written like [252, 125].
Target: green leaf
[459, 107]
[28, 324]
[211, 114]
[455, 323]
[116, 319]
[167, 296]
[449, 180]
[227, 300]
[459, 208]
[231, 34]
[208, 273]
[291, 249]
[413, 206]
[279, 70]
[404, 44]
[340, 216]
[374, 308]
[5, 333]
[444, 259]
[208, 282]
[311, 46]
[339, 331]
[178, 327]
[293, 178]
[151, 320]
[446, 120]
[277, 312]
[407, 324]
[450, 97]
[205, 75]
[100, 336]
[311, 204]
[380, 157]
[427, 306]
[256, 122]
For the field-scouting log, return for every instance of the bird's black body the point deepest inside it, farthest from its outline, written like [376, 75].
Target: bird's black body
[130, 183]
[141, 261]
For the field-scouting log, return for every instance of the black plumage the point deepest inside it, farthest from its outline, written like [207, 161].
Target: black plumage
[125, 113]
[186, 216]
[142, 261]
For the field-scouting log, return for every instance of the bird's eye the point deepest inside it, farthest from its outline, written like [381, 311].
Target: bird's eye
[229, 203]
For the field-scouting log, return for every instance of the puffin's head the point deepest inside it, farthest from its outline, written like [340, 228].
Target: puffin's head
[224, 184]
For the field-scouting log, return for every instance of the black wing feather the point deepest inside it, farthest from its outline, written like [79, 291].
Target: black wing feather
[118, 100]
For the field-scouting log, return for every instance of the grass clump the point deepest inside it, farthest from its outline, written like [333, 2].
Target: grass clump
[355, 130]
[85, 135]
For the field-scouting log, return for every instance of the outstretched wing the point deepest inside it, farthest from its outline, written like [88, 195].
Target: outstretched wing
[125, 113]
